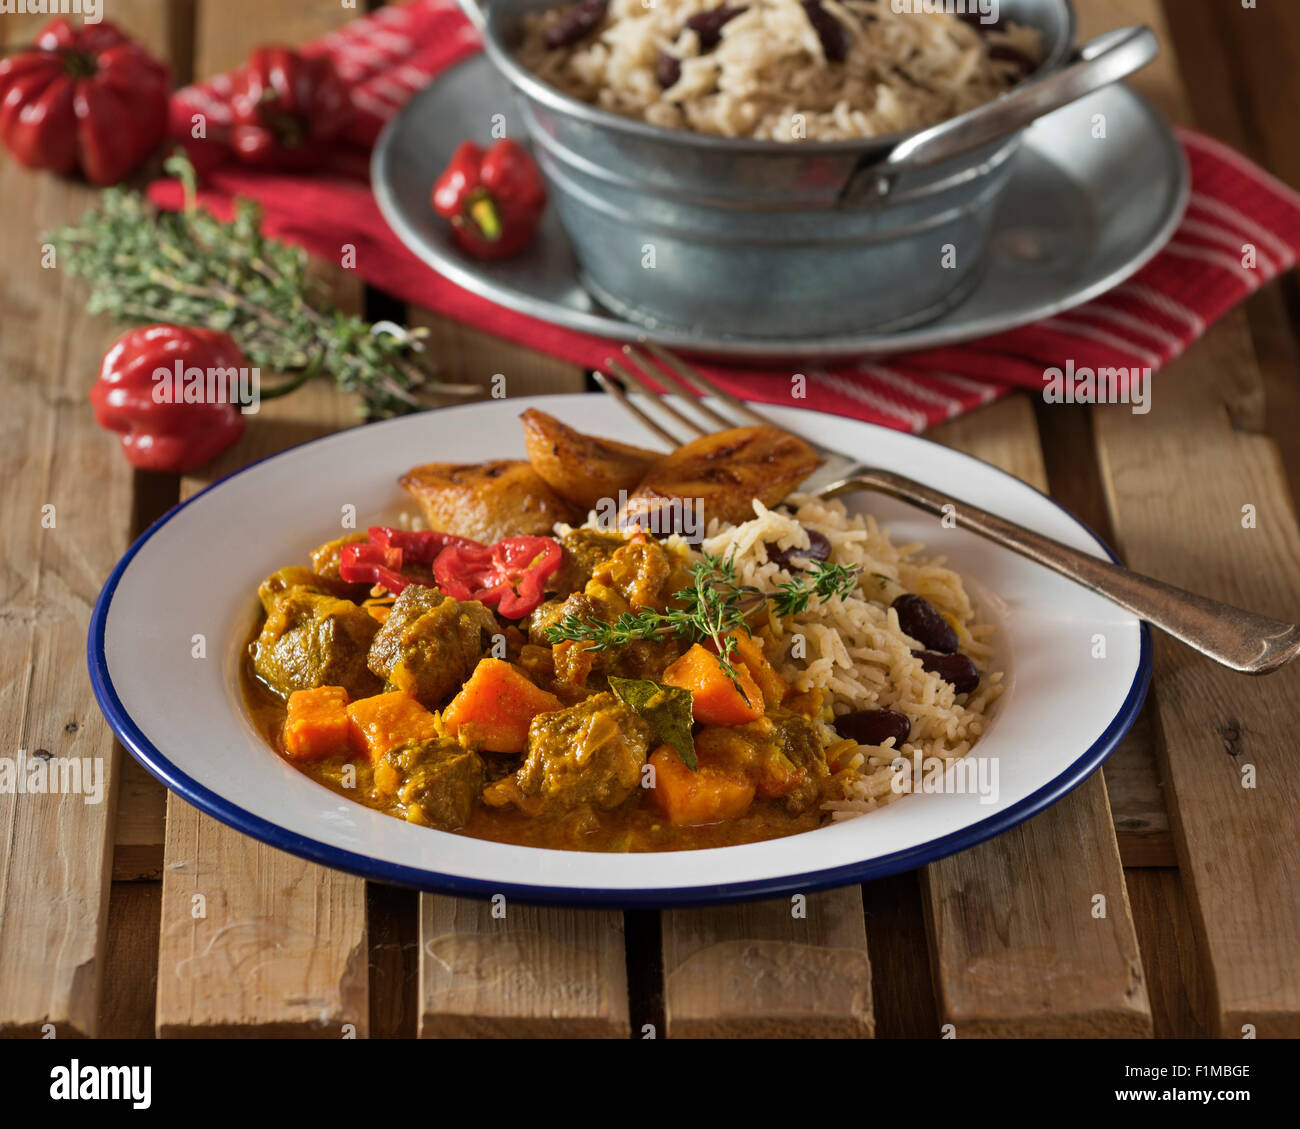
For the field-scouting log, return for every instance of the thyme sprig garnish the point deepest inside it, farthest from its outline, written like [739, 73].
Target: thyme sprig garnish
[715, 605]
[191, 268]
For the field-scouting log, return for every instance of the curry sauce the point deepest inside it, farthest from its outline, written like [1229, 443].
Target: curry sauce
[632, 827]
[401, 704]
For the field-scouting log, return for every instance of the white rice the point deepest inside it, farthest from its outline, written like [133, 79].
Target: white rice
[768, 77]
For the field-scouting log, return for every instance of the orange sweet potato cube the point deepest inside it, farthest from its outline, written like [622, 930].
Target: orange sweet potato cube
[385, 721]
[316, 725]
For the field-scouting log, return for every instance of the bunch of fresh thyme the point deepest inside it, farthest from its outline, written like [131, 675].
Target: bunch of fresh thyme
[715, 605]
[190, 268]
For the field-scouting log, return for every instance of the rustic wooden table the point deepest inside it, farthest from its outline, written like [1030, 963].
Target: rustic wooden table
[1201, 876]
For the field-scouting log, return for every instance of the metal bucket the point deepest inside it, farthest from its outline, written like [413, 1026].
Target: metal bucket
[741, 237]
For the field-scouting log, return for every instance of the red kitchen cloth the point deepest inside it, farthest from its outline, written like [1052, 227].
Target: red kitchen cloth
[1241, 230]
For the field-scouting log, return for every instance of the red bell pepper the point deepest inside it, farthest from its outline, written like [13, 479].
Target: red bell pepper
[286, 108]
[158, 432]
[494, 199]
[510, 575]
[85, 99]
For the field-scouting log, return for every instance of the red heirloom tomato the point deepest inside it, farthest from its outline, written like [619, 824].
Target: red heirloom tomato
[286, 107]
[159, 430]
[83, 98]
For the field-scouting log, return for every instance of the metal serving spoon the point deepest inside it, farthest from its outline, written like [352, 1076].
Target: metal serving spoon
[1109, 57]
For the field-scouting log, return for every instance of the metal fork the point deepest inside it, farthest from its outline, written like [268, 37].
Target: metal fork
[1241, 640]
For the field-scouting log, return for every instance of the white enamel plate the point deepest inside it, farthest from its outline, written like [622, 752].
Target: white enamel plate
[1076, 669]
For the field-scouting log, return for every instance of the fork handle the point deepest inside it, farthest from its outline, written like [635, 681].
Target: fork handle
[1242, 640]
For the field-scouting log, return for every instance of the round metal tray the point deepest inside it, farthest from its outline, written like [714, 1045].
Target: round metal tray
[1081, 214]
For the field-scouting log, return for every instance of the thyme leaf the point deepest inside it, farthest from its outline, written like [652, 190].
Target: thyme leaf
[710, 609]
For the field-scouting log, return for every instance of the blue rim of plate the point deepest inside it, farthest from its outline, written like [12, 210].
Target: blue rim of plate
[215, 805]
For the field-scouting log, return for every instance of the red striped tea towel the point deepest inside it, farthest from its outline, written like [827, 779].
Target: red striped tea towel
[1204, 271]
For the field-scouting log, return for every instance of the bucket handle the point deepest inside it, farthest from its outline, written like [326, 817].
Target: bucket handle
[1108, 58]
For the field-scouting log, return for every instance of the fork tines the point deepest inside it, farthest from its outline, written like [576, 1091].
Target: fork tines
[671, 375]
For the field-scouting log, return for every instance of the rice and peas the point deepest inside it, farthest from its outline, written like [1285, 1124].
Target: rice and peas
[781, 70]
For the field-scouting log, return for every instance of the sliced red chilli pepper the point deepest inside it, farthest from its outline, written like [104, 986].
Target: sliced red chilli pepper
[420, 546]
[373, 564]
[510, 575]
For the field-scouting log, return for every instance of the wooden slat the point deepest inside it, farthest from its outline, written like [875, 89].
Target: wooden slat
[531, 972]
[281, 948]
[1236, 857]
[1015, 948]
[55, 850]
[776, 969]
[1177, 482]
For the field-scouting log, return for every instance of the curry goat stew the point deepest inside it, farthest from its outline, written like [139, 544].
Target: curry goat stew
[400, 704]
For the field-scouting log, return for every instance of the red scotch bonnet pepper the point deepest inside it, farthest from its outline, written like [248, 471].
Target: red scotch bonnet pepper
[494, 198]
[286, 108]
[83, 99]
[136, 395]
[380, 559]
[509, 576]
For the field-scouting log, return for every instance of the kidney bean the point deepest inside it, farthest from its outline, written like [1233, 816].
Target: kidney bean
[708, 25]
[819, 549]
[874, 727]
[667, 70]
[579, 21]
[918, 617]
[833, 34]
[665, 521]
[955, 669]
[1001, 52]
